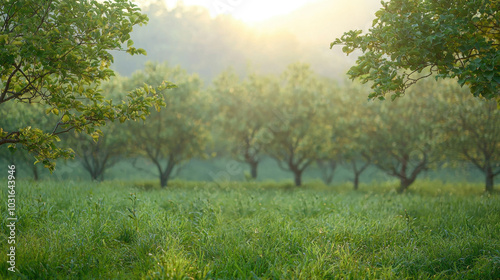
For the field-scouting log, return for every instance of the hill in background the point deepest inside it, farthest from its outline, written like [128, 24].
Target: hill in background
[190, 37]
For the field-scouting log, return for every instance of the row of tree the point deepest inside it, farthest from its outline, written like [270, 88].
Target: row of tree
[298, 118]
[55, 56]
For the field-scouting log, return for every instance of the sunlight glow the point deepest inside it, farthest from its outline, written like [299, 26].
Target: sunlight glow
[249, 11]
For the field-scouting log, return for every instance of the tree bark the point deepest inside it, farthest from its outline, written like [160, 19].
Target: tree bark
[35, 172]
[404, 184]
[298, 178]
[95, 166]
[327, 168]
[163, 180]
[357, 173]
[165, 174]
[402, 173]
[253, 169]
[489, 179]
[97, 174]
[356, 181]
[93, 175]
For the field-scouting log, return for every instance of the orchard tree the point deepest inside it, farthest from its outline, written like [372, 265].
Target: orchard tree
[354, 129]
[451, 39]
[97, 156]
[332, 112]
[297, 130]
[474, 133]
[408, 134]
[56, 53]
[172, 136]
[327, 167]
[239, 119]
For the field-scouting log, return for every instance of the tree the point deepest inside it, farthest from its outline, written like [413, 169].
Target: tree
[354, 128]
[56, 53]
[458, 39]
[474, 133]
[332, 114]
[327, 167]
[172, 136]
[97, 156]
[296, 129]
[408, 135]
[239, 118]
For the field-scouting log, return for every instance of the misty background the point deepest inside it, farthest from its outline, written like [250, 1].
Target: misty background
[191, 37]
[200, 42]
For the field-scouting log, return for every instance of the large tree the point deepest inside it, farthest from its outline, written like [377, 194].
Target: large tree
[98, 155]
[333, 116]
[297, 129]
[408, 137]
[172, 136]
[57, 53]
[238, 115]
[452, 39]
[353, 129]
[474, 132]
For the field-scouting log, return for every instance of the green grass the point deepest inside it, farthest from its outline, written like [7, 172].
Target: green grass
[266, 230]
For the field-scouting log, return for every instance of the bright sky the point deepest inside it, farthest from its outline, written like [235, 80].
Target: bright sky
[249, 11]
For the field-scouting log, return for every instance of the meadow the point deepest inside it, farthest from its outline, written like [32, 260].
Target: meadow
[248, 230]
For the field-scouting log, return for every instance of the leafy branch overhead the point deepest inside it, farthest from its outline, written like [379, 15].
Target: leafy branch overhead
[56, 53]
[411, 40]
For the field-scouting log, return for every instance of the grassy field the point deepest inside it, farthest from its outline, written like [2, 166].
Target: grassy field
[117, 230]
[205, 170]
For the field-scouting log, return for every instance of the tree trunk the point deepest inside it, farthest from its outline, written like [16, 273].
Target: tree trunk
[35, 172]
[489, 179]
[298, 178]
[253, 169]
[327, 168]
[96, 174]
[357, 173]
[89, 163]
[356, 181]
[163, 181]
[165, 174]
[404, 184]
[405, 180]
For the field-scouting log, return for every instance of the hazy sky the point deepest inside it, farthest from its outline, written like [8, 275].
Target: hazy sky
[282, 32]
[249, 11]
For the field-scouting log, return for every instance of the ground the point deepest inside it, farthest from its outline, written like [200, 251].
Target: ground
[193, 230]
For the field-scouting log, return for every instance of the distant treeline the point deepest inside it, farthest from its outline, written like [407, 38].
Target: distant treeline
[298, 118]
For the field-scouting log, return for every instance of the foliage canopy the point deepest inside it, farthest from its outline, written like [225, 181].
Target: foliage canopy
[452, 39]
[56, 53]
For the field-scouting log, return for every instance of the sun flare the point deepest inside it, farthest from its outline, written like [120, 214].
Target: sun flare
[249, 11]
[259, 10]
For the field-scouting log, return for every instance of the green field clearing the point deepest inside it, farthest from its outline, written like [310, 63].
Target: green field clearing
[265, 230]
